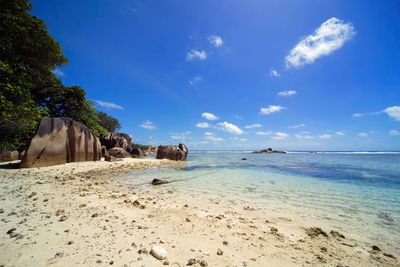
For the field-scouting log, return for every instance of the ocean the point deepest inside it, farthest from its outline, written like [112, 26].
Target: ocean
[356, 192]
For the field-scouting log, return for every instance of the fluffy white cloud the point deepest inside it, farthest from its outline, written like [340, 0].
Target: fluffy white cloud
[325, 136]
[340, 133]
[214, 138]
[280, 136]
[215, 40]
[148, 125]
[271, 109]
[251, 126]
[287, 93]
[393, 112]
[274, 73]
[363, 134]
[209, 133]
[394, 132]
[203, 125]
[180, 136]
[108, 104]
[297, 126]
[264, 133]
[307, 137]
[330, 36]
[195, 80]
[209, 116]
[239, 139]
[229, 127]
[194, 54]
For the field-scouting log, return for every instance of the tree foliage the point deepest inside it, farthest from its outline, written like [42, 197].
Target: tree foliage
[29, 89]
[108, 122]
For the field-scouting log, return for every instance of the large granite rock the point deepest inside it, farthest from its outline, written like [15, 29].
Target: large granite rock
[137, 153]
[8, 156]
[172, 152]
[119, 152]
[59, 141]
[116, 139]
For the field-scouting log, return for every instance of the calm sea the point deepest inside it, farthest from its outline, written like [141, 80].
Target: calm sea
[358, 193]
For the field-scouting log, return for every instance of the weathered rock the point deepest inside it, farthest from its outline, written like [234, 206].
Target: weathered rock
[21, 154]
[117, 139]
[112, 159]
[137, 153]
[157, 182]
[172, 152]
[59, 141]
[315, 231]
[8, 156]
[158, 252]
[268, 151]
[119, 152]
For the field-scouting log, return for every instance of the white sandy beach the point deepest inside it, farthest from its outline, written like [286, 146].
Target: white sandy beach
[79, 214]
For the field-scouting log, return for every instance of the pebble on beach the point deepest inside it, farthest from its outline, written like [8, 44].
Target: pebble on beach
[158, 252]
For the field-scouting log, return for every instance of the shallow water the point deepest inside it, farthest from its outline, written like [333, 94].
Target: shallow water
[358, 193]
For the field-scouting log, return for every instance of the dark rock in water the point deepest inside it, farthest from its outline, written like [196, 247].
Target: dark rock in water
[337, 234]
[244, 158]
[172, 152]
[137, 153]
[59, 141]
[117, 139]
[8, 156]
[389, 255]
[375, 248]
[119, 152]
[315, 231]
[268, 151]
[157, 182]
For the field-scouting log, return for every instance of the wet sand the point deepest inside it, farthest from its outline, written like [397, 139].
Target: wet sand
[82, 214]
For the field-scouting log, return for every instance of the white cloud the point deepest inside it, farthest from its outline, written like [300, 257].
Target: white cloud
[148, 125]
[330, 36]
[238, 117]
[58, 72]
[209, 116]
[180, 136]
[195, 80]
[251, 126]
[393, 112]
[307, 137]
[394, 132]
[297, 126]
[229, 127]
[194, 54]
[357, 115]
[271, 109]
[108, 104]
[363, 134]
[325, 136]
[280, 136]
[340, 133]
[264, 133]
[209, 133]
[274, 73]
[203, 125]
[239, 139]
[287, 93]
[214, 138]
[215, 40]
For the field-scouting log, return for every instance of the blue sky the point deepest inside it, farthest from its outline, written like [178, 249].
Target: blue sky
[292, 75]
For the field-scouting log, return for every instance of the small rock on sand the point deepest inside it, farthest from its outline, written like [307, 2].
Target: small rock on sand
[220, 252]
[158, 252]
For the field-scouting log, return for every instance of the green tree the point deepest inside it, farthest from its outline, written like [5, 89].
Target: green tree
[108, 122]
[29, 89]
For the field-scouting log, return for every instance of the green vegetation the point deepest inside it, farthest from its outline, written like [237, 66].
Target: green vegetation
[29, 89]
[143, 147]
[107, 122]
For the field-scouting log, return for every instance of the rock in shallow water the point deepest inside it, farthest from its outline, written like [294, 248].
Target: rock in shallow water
[159, 252]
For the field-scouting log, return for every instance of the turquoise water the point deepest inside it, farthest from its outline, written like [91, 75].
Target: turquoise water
[357, 193]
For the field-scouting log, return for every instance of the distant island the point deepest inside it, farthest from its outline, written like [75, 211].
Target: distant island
[268, 151]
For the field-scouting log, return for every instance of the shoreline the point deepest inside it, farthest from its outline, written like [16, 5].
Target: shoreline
[82, 214]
